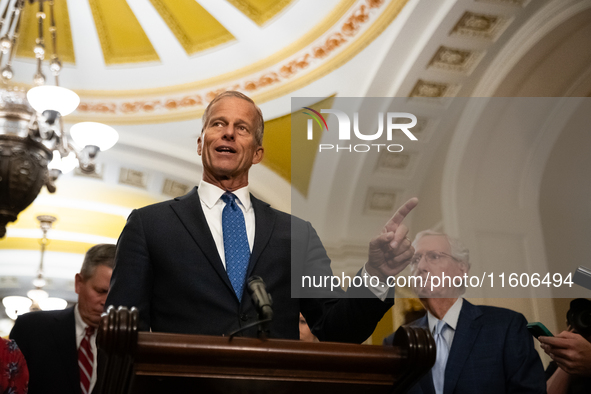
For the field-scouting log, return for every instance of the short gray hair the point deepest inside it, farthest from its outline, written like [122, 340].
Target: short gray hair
[457, 249]
[101, 254]
[260, 127]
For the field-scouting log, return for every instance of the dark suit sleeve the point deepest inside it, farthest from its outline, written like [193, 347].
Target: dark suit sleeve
[132, 278]
[350, 317]
[523, 368]
[20, 335]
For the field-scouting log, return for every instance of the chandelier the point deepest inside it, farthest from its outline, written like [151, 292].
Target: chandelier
[37, 298]
[34, 146]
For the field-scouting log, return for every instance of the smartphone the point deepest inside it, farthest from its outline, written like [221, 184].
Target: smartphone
[538, 329]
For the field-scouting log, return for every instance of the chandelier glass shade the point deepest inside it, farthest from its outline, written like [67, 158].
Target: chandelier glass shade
[34, 146]
[37, 298]
[53, 98]
[94, 134]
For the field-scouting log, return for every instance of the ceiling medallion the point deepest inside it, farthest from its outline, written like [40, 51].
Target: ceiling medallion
[480, 26]
[453, 59]
[429, 89]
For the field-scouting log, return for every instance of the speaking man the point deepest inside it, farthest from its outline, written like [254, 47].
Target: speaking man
[60, 346]
[184, 263]
[480, 349]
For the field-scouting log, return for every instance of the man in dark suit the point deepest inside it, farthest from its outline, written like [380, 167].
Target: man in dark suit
[174, 263]
[53, 342]
[480, 349]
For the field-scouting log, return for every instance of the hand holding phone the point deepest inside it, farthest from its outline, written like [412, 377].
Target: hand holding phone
[538, 329]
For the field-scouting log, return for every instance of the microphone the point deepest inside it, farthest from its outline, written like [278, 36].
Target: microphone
[262, 300]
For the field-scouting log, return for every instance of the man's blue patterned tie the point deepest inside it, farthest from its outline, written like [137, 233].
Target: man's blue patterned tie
[236, 247]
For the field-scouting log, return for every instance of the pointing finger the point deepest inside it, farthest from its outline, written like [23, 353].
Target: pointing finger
[401, 213]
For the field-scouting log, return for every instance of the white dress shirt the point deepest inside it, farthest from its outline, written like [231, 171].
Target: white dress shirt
[212, 205]
[80, 332]
[451, 318]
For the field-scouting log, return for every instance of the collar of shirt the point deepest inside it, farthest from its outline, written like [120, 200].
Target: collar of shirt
[212, 206]
[80, 327]
[211, 194]
[451, 318]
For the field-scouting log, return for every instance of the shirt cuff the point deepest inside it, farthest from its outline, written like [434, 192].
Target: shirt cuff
[382, 291]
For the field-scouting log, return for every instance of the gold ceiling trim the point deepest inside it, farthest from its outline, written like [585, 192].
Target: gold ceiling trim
[260, 11]
[139, 111]
[56, 245]
[73, 220]
[329, 21]
[29, 31]
[383, 21]
[180, 16]
[122, 38]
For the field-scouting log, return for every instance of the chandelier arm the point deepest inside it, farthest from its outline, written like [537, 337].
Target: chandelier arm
[39, 78]
[7, 42]
[4, 13]
[15, 29]
[55, 64]
[13, 33]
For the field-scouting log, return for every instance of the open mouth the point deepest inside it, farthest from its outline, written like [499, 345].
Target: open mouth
[225, 149]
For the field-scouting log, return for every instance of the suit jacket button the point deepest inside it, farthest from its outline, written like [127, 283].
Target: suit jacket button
[244, 317]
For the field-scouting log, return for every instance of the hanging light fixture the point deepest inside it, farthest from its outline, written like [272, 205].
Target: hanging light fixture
[37, 298]
[34, 147]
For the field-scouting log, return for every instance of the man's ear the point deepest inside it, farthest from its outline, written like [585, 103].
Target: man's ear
[464, 268]
[78, 283]
[258, 155]
[199, 142]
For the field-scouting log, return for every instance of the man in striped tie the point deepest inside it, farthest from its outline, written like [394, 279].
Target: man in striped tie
[60, 346]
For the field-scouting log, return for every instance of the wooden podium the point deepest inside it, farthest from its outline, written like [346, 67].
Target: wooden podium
[148, 362]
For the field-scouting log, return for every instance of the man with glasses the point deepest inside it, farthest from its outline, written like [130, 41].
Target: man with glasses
[480, 349]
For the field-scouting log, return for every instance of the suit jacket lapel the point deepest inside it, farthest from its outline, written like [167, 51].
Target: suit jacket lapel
[264, 222]
[66, 324]
[466, 332]
[189, 211]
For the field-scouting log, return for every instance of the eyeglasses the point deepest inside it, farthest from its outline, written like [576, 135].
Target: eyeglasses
[431, 256]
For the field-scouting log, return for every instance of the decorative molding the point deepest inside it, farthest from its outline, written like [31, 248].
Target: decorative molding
[538, 26]
[97, 174]
[453, 59]
[518, 3]
[430, 89]
[361, 25]
[395, 162]
[175, 189]
[480, 26]
[133, 178]
[380, 201]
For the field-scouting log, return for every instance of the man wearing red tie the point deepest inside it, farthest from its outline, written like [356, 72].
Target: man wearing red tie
[60, 346]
